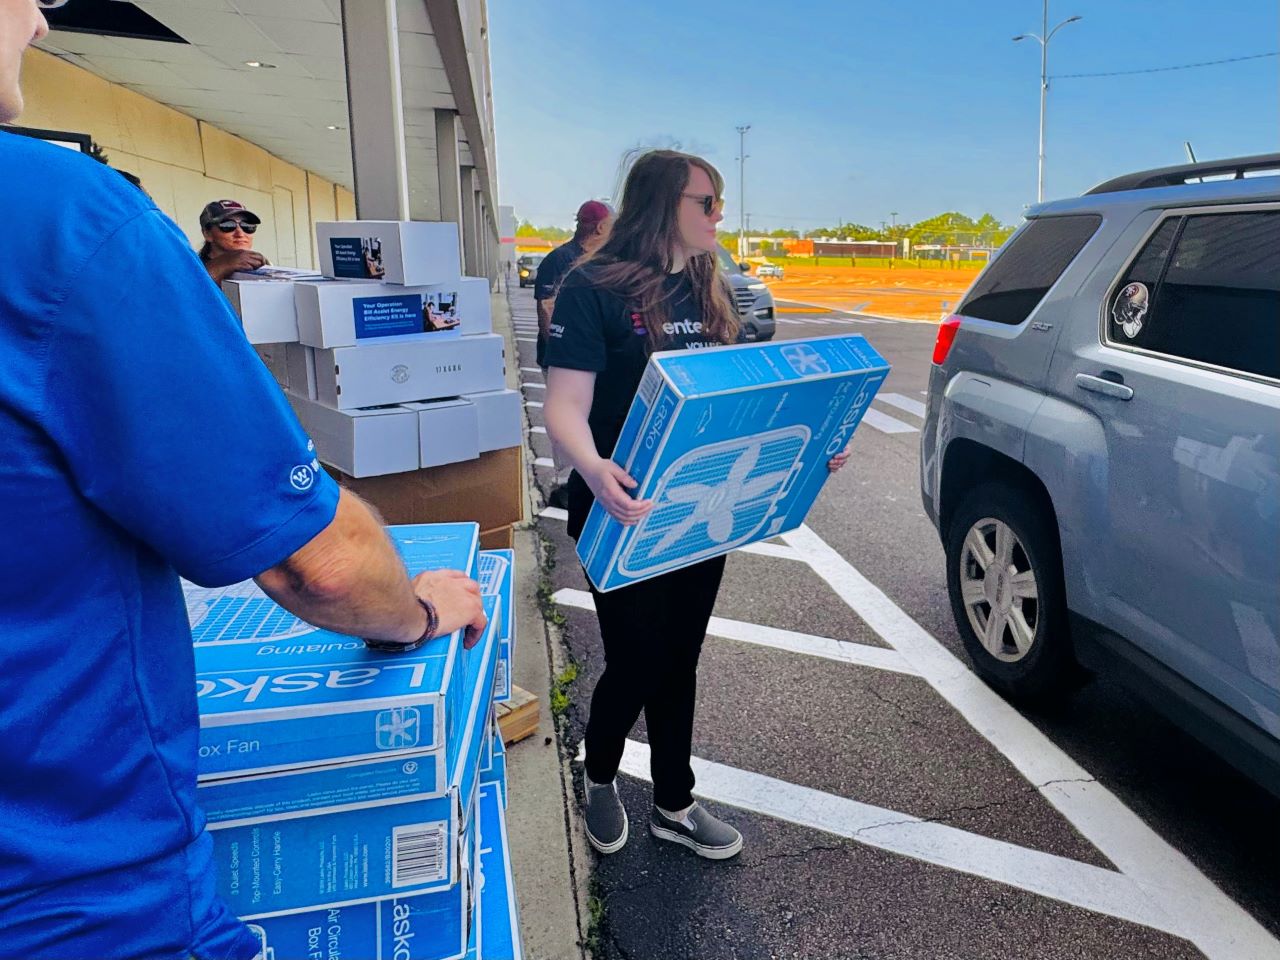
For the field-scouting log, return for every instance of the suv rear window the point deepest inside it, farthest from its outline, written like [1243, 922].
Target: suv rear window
[1218, 300]
[1021, 275]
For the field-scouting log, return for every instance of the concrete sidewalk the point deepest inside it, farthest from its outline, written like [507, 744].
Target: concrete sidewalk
[548, 847]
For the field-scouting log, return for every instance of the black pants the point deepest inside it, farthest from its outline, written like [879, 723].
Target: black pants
[652, 633]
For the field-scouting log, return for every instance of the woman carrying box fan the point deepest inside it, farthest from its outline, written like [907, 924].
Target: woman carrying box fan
[654, 285]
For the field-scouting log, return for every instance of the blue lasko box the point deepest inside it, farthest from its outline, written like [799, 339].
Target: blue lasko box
[429, 926]
[499, 912]
[732, 446]
[497, 578]
[275, 693]
[308, 841]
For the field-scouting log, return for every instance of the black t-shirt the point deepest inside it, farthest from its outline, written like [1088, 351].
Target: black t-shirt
[595, 329]
[553, 268]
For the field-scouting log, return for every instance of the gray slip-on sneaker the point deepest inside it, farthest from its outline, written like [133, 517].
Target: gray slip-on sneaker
[699, 831]
[605, 817]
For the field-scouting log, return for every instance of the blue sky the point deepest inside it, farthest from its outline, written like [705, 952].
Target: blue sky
[861, 108]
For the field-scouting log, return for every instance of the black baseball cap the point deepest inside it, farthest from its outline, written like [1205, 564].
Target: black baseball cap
[222, 209]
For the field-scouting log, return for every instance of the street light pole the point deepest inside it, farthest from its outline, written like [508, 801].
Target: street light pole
[742, 190]
[1043, 39]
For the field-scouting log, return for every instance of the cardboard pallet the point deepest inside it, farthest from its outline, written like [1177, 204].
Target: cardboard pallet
[519, 717]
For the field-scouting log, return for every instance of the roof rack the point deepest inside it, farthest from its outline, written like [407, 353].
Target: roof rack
[1179, 175]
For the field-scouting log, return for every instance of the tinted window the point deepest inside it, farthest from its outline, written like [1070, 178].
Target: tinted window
[1218, 301]
[1023, 273]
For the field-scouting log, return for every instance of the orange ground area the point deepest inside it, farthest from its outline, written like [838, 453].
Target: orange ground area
[910, 293]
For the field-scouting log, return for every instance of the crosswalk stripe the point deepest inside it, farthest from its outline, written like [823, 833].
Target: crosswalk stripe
[526, 339]
[535, 403]
[530, 369]
[1084, 885]
[536, 386]
[542, 430]
[555, 513]
[544, 462]
[909, 404]
[885, 423]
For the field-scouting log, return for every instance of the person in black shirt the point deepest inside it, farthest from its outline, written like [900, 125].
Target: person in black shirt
[655, 284]
[594, 219]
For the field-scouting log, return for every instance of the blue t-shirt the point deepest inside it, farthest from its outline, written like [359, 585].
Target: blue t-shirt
[140, 438]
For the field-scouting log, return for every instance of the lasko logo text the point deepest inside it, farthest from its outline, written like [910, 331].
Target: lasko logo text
[402, 931]
[301, 681]
[841, 436]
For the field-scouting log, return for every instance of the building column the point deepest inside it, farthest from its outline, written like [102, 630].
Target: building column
[470, 228]
[371, 47]
[448, 171]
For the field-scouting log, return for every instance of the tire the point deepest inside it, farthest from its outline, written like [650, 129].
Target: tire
[1026, 654]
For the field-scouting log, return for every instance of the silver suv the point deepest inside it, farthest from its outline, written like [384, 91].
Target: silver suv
[1101, 453]
[751, 297]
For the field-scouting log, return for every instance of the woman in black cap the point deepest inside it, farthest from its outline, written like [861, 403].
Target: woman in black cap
[228, 230]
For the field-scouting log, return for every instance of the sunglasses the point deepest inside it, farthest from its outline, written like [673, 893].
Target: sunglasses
[229, 226]
[710, 202]
[50, 4]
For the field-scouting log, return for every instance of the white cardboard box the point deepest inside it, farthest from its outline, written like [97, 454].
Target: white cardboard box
[472, 295]
[265, 309]
[361, 443]
[344, 314]
[411, 252]
[399, 371]
[300, 365]
[448, 431]
[501, 419]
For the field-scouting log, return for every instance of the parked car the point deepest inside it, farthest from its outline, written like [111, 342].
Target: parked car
[527, 268]
[769, 270]
[1101, 452]
[751, 297]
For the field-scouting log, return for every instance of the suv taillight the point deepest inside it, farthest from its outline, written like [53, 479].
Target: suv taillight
[946, 337]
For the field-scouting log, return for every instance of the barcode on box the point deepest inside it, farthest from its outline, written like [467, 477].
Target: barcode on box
[418, 852]
[500, 678]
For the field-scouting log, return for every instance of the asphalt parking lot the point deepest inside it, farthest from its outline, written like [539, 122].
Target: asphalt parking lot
[892, 805]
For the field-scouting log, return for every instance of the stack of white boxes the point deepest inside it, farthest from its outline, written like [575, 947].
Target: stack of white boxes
[388, 355]
[343, 786]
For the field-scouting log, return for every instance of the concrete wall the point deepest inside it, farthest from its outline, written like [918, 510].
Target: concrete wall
[184, 163]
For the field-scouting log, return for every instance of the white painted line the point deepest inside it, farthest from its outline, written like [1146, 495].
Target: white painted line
[526, 339]
[1218, 926]
[544, 462]
[909, 404]
[530, 369]
[554, 513]
[536, 386]
[885, 423]
[537, 429]
[843, 651]
[1070, 881]
[778, 550]
[535, 403]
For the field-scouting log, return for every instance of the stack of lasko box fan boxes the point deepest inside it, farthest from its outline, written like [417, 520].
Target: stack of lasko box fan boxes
[388, 354]
[357, 799]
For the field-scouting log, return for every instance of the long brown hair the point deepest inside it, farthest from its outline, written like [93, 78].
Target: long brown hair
[637, 258]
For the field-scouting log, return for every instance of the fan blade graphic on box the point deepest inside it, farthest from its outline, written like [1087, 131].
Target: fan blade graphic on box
[695, 514]
[239, 613]
[492, 571]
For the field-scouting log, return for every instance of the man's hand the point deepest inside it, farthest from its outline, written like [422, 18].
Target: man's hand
[225, 264]
[456, 598]
[838, 461]
[610, 483]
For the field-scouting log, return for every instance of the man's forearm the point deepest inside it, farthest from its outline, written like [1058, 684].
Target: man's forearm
[544, 314]
[349, 579]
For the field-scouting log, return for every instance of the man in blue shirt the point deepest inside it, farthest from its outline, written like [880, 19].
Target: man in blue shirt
[140, 438]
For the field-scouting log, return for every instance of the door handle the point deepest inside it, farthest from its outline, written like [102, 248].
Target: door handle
[1115, 389]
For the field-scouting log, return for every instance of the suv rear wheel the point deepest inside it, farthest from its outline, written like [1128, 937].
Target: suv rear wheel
[1004, 577]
